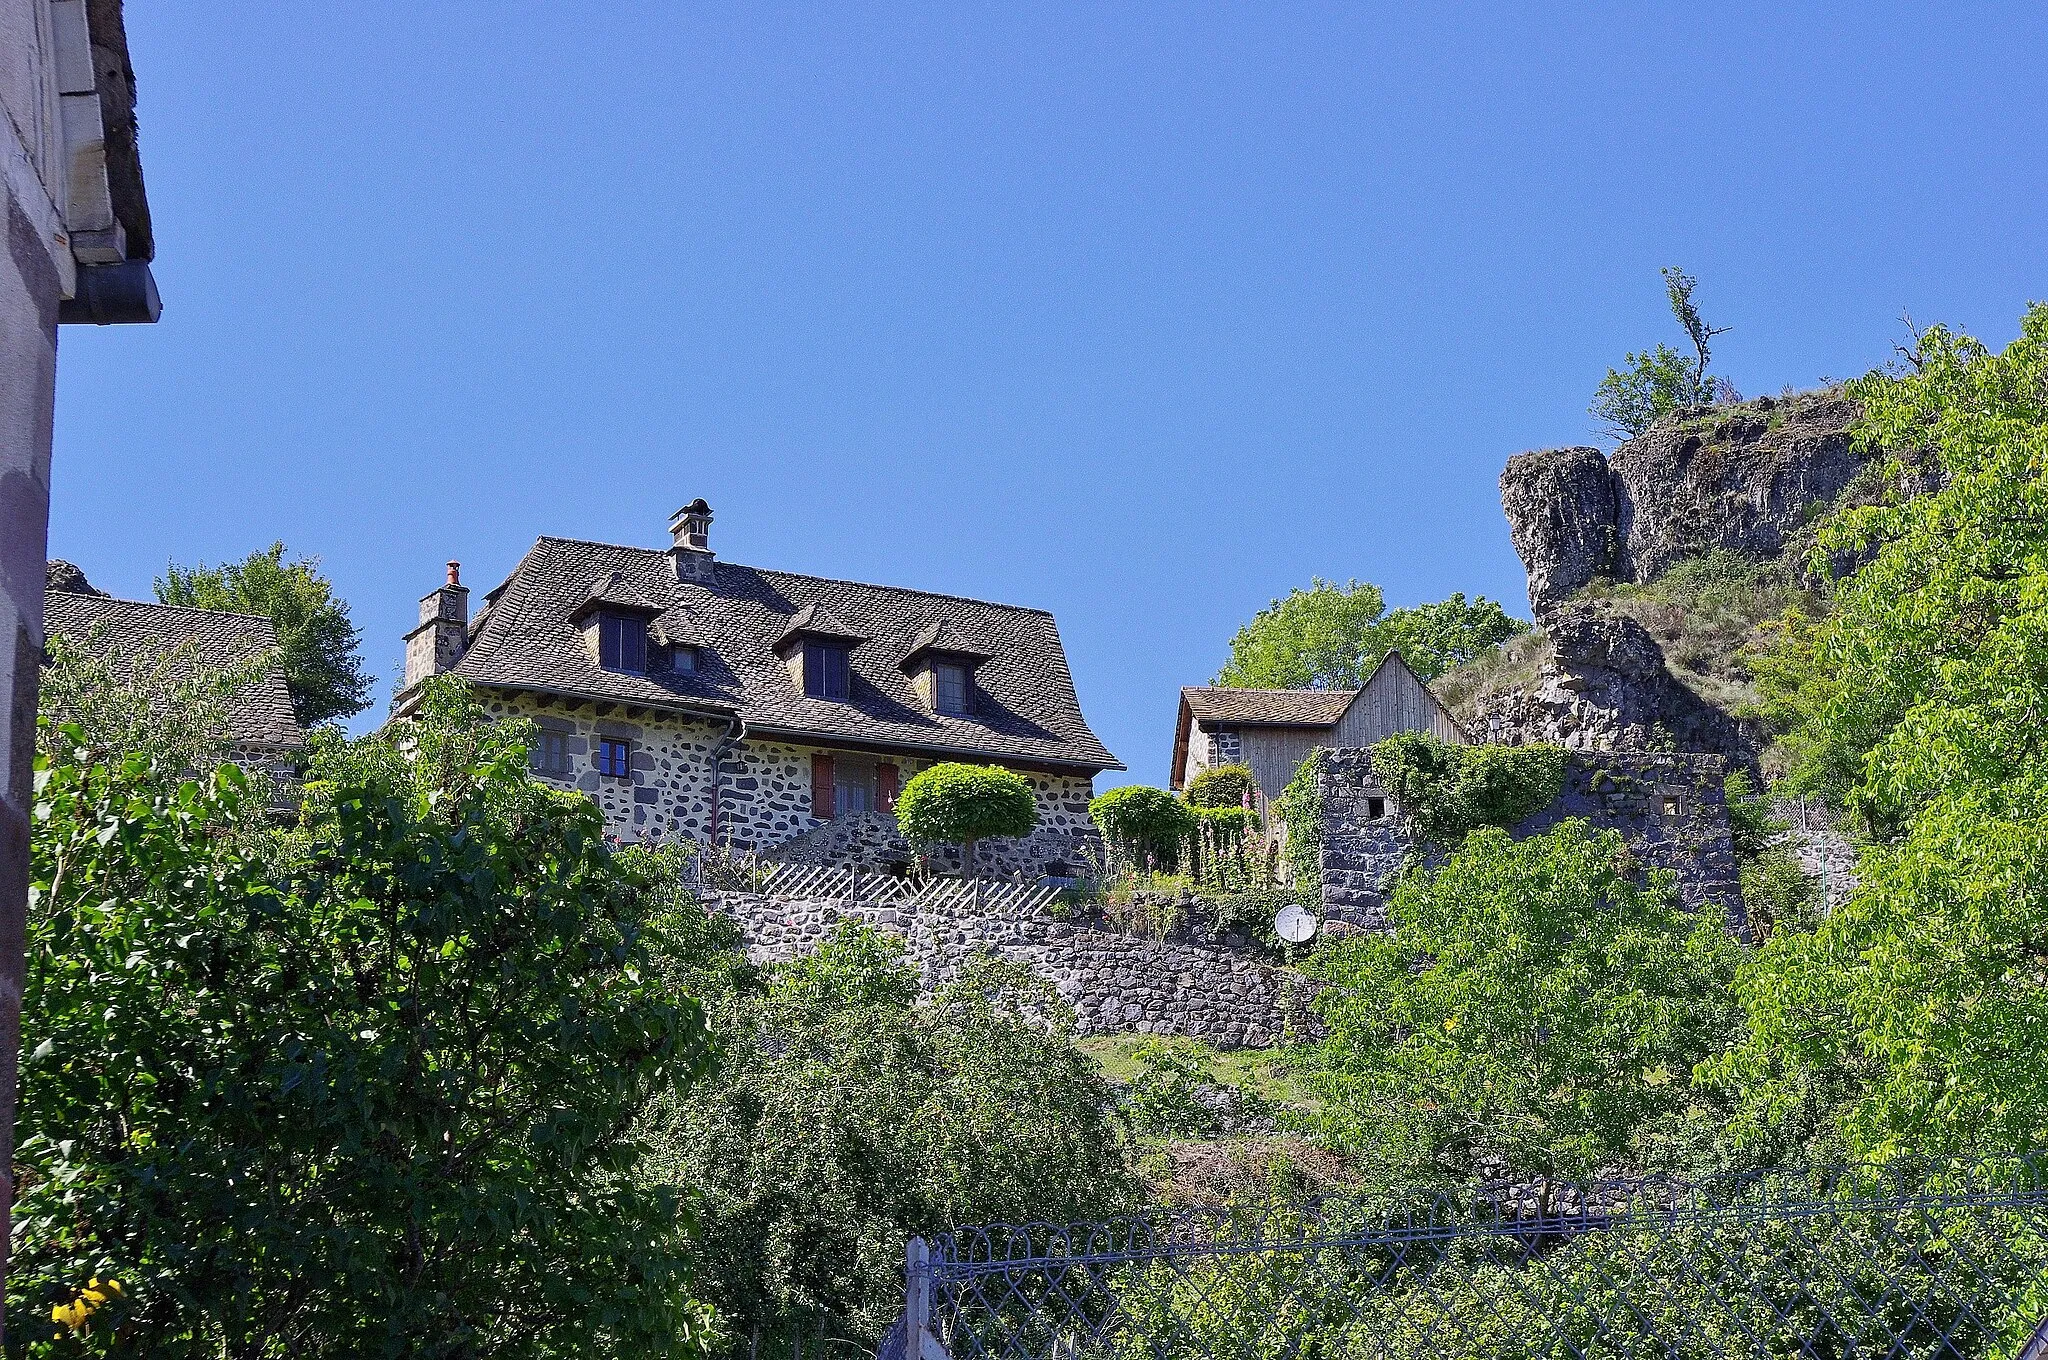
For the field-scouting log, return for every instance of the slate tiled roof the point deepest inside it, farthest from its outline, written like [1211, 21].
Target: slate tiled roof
[132, 631]
[1026, 709]
[1267, 707]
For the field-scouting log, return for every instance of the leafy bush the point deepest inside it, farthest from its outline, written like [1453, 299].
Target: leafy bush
[366, 1093]
[1221, 787]
[1536, 1008]
[957, 804]
[846, 1119]
[1148, 826]
[1918, 701]
[1300, 809]
[1448, 790]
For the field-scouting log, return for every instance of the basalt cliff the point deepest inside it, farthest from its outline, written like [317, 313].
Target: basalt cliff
[1651, 570]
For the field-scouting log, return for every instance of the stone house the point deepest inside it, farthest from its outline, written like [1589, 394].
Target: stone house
[135, 634]
[763, 710]
[1273, 730]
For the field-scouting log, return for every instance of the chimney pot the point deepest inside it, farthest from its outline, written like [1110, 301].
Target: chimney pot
[691, 528]
[454, 573]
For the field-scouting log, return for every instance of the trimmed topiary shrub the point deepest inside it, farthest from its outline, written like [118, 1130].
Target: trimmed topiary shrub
[955, 804]
[1223, 787]
[1138, 821]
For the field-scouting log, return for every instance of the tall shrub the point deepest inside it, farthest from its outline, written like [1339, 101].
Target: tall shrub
[366, 1089]
[1148, 826]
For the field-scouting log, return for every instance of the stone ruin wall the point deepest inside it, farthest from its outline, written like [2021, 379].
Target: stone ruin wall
[1670, 807]
[1117, 983]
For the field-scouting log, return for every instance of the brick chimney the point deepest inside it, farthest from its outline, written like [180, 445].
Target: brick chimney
[443, 633]
[692, 555]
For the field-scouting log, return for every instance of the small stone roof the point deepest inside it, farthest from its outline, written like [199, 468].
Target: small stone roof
[1267, 707]
[129, 631]
[1026, 710]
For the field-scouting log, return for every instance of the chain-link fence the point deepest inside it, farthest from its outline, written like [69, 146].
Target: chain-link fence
[1912, 1260]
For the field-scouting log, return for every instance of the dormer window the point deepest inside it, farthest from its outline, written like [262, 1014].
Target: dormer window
[828, 670]
[949, 687]
[622, 643]
[818, 649]
[614, 618]
[941, 667]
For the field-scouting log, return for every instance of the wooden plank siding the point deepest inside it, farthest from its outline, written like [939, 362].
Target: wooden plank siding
[1275, 753]
[1394, 700]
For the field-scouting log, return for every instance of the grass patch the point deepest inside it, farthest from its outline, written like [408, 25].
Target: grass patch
[1264, 1072]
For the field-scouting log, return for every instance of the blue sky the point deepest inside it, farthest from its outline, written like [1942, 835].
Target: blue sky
[1141, 314]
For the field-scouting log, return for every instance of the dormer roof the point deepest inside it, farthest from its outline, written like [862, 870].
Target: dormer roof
[614, 593]
[816, 621]
[941, 639]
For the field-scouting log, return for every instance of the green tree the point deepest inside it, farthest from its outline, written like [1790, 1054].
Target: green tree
[953, 804]
[1332, 637]
[1659, 381]
[316, 640]
[1535, 1008]
[1149, 826]
[369, 1093]
[846, 1119]
[1921, 1004]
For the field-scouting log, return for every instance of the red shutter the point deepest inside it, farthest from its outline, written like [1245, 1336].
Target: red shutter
[885, 786]
[821, 786]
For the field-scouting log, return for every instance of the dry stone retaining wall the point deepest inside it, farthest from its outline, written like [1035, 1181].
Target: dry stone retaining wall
[1117, 983]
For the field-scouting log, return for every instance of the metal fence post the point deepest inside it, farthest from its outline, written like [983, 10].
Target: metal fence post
[920, 1341]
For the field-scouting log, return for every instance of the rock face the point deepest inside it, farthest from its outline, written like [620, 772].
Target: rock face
[1606, 689]
[1564, 517]
[1743, 478]
[61, 575]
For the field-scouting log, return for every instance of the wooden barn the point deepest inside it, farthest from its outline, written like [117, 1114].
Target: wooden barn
[1273, 730]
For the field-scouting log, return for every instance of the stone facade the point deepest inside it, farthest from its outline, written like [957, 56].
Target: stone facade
[1116, 983]
[764, 800]
[1670, 808]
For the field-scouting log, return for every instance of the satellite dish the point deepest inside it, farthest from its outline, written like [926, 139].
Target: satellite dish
[1294, 925]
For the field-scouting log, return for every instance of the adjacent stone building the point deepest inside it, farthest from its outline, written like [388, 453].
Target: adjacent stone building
[1669, 807]
[762, 710]
[134, 636]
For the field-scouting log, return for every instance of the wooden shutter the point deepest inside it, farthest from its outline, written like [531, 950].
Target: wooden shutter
[821, 786]
[885, 786]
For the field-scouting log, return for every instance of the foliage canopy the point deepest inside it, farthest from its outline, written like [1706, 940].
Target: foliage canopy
[1535, 1009]
[1143, 822]
[1222, 786]
[1917, 700]
[846, 1119]
[1661, 380]
[1447, 789]
[366, 1093]
[1332, 637]
[316, 640]
[957, 804]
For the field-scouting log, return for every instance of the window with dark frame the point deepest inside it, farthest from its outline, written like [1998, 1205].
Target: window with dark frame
[550, 753]
[622, 643]
[828, 671]
[949, 688]
[614, 757]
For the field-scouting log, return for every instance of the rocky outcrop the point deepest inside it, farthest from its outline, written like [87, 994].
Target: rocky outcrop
[1743, 478]
[1606, 688]
[1564, 517]
[61, 575]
